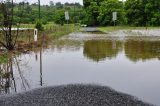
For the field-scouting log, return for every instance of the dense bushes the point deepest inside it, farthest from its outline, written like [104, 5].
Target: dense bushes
[39, 25]
[131, 12]
[143, 12]
[100, 12]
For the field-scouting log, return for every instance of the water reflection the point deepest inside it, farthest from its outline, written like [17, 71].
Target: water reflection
[64, 44]
[58, 64]
[6, 77]
[41, 69]
[99, 50]
[11, 71]
[8, 80]
[142, 50]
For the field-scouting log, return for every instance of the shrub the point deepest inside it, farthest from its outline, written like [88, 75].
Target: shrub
[39, 25]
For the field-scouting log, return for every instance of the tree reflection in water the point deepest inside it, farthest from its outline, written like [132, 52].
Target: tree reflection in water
[142, 50]
[11, 73]
[98, 50]
[7, 76]
[135, 50]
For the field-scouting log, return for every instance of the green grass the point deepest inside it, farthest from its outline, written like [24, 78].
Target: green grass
[112, 28]
[3, 59]
[54, 30]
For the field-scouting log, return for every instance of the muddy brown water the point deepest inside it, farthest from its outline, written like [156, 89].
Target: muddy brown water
[127, 64]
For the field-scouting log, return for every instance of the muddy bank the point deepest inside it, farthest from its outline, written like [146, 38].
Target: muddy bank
[71, 95]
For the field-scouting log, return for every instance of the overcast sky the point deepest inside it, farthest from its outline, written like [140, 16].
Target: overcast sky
[47, 1]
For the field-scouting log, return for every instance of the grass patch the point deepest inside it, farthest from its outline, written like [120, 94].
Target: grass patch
[112, 28]
[56, 31]
[3, 59]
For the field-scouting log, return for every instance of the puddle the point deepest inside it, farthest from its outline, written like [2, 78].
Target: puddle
[127, 65]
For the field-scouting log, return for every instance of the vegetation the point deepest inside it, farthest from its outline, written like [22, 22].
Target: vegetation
[56, 31]
[105, 12]
[8, 39]
[3, 59]
[48, 13]
[100, 12]
[26, 15]
[131, 12]
[143, 12]
[50, 19]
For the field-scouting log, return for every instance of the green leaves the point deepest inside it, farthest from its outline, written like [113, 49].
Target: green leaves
[106, 9]
[39, 25]
[59, 17]
[99, 12]
[143, 12]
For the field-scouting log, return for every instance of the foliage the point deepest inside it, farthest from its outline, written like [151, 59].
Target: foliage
[8, 39]
[107, 8]
[39, 25]
[143, 12]
[60, 18]
[48, 12]
[92, 14]
[99, 12]
[131, 12]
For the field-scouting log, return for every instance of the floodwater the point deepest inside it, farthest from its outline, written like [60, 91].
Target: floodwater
[127, 64]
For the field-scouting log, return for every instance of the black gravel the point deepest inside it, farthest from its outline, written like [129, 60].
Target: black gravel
[71, 95]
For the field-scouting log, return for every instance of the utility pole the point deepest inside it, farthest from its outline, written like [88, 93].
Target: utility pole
[41, 73]
[74, 14]
[39, 8]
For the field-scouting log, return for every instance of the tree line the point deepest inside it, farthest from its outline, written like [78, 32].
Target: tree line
[27, 13]
[130, 12]
[92, 13]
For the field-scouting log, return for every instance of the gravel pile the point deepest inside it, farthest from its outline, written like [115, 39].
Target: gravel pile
[71, 95]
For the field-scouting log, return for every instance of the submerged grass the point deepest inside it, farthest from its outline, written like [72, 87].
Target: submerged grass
[51, 31]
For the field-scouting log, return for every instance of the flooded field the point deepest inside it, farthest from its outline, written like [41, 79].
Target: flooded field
[129, 64]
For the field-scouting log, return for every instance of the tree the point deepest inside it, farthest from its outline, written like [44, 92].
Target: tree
[51, 3]
[143, 12]
[87, 3]
[59, 5]
[8, 39]
[107, 8]
[1, 16]
[92, 13]
[66, 4]
[59, 17]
